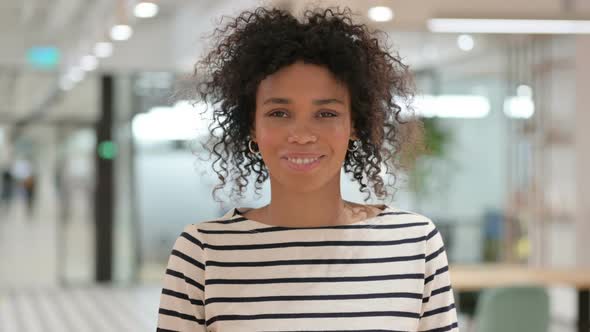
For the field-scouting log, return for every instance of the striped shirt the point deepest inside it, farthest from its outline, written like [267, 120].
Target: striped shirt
[385, 273]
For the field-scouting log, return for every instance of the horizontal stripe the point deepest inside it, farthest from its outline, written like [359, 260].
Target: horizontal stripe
[397, 213]
[435, 254]
[226, 222]
[432, 234]
[339, 227]
[339, 331]
[315, 261]
[314, 244]
[181, 296]
[165, 330]
[313, 297]
[436, 292]
[443, 329]
[439, 271]
[438, 310]
[180, 315]
[192, 239]
[185, 278]
[441, 290]
[315, 315]
[241, 218]
[312, 279]
[188, 259]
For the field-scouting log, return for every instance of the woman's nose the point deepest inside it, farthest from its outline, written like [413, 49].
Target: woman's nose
[302, 139]
[301, 134]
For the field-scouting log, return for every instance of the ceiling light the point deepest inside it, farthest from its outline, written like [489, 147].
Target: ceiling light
[145, 10]
[65, 83]
[380, 14]
[75, 74]
[509, 26]
[88, 63]
[121, 32]
[103, 49]
[520, 107]
[465, 42]
[524, 90]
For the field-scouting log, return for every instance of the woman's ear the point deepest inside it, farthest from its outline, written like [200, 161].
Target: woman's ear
[353, 135]
[253, 130]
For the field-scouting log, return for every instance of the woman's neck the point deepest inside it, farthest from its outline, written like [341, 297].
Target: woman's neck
[310, 209]
[322, 207]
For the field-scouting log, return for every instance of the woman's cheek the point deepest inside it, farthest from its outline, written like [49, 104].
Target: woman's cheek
[264, 132]
[338, 131]
[267, 139]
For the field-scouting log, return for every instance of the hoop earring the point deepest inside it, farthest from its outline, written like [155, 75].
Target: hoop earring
[257, 153]
[356, 144]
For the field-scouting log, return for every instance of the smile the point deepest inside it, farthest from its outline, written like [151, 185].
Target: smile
[302, 164]
[302, 161]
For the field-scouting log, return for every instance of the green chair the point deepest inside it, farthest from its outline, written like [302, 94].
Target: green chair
[513, 309]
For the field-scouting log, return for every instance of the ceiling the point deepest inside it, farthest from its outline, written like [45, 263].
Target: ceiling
[171, 41]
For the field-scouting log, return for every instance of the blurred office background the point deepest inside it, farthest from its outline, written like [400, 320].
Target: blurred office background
[101, 170]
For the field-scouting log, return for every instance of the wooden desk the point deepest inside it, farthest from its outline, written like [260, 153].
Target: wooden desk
[477, 277]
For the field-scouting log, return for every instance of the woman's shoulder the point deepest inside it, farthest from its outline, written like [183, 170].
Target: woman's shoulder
[409, 217]
[231, 216]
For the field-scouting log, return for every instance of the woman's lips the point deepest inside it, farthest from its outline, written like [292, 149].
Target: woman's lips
[302, 155]
[305, 167]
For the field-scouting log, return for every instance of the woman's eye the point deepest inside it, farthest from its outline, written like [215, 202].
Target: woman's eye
[278, 114]
[328, 114]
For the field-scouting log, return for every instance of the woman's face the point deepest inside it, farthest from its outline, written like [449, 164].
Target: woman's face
[302, 126]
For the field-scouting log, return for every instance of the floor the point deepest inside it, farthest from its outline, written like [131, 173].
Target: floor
[79, 309]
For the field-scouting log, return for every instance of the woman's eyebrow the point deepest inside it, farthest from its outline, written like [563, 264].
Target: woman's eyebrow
[277, 101]
[318, 102]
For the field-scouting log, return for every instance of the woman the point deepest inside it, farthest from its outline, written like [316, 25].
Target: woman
[296, 101]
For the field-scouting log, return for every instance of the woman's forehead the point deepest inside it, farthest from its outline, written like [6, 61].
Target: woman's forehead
[301, 80]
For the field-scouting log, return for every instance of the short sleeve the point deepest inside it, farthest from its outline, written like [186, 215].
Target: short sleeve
[183, 286]
[438, 303]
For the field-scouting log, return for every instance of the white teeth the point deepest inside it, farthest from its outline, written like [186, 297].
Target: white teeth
[301, 161]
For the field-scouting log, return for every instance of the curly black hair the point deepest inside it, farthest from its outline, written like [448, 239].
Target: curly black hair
[258, 43]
